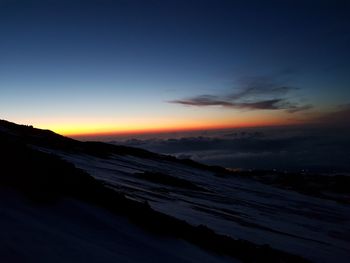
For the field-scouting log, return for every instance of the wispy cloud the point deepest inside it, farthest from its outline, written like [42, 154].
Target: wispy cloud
[296, 108]
[259, 93]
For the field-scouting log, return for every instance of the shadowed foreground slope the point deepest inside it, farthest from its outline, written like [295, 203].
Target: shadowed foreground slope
[60, 192]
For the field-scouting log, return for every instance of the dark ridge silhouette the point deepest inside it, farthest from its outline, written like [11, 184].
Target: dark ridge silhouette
[46, 138]
[45, 178]
[308, 184]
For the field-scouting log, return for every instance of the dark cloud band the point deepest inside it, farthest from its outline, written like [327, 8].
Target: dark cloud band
[258, 93]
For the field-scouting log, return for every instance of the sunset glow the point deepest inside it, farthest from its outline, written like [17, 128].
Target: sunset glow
[175, 131]
[86, 127]
[90, 70]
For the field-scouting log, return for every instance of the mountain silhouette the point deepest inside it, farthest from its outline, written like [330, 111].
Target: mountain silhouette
[37, 166]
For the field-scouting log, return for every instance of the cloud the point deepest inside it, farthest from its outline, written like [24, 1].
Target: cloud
[204, 100]
[272, 104]
[296, 108]
[268, 148]
[260, 87]
[258, 93]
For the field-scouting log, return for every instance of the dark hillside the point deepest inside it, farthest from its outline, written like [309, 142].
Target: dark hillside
[45, 178]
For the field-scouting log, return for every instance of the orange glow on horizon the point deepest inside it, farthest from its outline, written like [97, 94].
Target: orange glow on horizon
[76, 130]
[79, 126]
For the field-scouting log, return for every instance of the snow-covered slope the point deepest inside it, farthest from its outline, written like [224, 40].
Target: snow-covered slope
[72, 231]
[315, 228]
[241, 208]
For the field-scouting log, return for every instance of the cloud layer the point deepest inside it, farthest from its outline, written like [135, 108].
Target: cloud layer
[254, 94]
[293, 149]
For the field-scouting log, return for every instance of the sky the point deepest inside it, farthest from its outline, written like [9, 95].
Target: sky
[110, 67]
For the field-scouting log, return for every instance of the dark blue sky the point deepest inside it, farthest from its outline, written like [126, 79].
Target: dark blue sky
[93, 66]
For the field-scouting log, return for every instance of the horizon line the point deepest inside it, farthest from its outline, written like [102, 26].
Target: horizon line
[172, 130]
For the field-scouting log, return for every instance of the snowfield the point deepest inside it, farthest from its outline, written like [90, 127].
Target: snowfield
[315, 228]
[72, 231]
